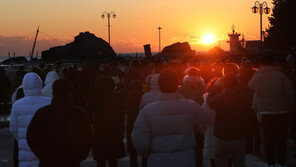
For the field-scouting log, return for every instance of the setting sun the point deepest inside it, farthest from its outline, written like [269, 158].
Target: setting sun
[208, 39]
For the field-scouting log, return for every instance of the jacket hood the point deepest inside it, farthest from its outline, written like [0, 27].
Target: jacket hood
[32, 85]
[51, 77]
[193, 82]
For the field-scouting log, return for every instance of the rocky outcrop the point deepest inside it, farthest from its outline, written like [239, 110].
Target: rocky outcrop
[85, 46]
[214, 54]
[216, 51]
[176, 51]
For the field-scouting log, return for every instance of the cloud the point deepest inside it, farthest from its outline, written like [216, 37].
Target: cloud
[127, 46]
[193, 37]
[22, 45]
[177, 39]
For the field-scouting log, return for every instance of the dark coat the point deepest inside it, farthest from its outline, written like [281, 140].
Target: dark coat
[132, 105]
[60, 135]
[231, 111]
[4, 88]
[108, 120]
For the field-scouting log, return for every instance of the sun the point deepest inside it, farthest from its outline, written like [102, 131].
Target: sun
[208, 39]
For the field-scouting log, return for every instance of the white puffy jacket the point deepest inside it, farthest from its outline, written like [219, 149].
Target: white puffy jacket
[22, 112]
[273, 91]
[49, 80]
[164, 130]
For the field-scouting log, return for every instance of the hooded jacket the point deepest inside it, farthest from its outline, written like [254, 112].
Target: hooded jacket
[22, 112]
[193, 88]
[164, 130]
[151, 96]
[273, 91]
[49, 80]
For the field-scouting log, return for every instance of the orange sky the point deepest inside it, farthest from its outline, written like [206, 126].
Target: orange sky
[186, 20]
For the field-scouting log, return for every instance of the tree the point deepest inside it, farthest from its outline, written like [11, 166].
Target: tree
[281, 33]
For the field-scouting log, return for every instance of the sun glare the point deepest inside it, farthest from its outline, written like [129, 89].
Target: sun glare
[208, 39]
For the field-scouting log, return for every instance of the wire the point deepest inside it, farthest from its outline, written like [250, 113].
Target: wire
[41, 36]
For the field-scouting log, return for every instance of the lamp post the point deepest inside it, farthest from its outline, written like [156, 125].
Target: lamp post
[261, 8]
[109, 15]
[159, 28]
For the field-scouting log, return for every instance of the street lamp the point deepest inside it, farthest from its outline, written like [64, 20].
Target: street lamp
[261, 8]
[109, 15]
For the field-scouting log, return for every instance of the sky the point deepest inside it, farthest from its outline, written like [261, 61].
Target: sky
[135, 25]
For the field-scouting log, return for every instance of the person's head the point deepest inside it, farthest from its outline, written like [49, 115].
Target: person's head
[194, 72]
[267, 60]
[230, 81]
[104, 84]
[230, 68]
[62, 88]
[32, 84]
[51, 77]
[168, 81]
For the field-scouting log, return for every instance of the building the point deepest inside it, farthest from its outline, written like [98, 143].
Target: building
[236, 45]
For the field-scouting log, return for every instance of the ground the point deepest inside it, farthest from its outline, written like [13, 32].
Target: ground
[6, 152]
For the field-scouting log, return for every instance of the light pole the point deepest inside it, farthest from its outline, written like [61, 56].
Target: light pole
[159, 28]
[261, 8]
[109, 15]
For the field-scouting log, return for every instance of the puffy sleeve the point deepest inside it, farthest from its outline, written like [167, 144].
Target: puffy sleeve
[141, 135]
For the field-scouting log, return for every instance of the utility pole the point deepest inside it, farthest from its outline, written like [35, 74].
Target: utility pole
[159, 28]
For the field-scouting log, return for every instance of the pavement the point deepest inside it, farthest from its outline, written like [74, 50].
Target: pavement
[6, 152]
[6, 148]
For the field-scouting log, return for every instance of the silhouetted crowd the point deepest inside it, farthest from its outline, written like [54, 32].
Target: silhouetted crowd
[172, 114]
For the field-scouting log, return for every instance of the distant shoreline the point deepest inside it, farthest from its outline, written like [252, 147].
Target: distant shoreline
[140, 54]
